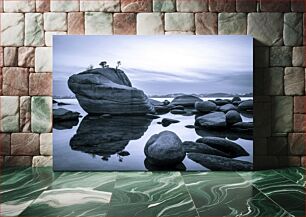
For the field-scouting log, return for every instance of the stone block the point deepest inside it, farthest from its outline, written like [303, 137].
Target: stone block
[274, 81]
[76, 23]
[278, 146]
[65, 6]
[296, 143]
[206, 23]
[246, 5]
[9, 114]
[26, 56]
[124, 23]
[98, 23]
[46, 144]
[18, 161]
[179, 33]
[25, 144]
[299, 123]
[293, 29]
[1, 56]
[40, 84]
[282, 114]
[261, 57]
[192, 5]
[232, 24]
[15, 81]
[5, 144]
[25, 114]
[55, 21]
[41, 114]
[42, 161]
[262, 125]
[42, 5]
[299, 104]
[266, 28]
[136, 5]
[101, 5]
[150, 24]
[297, 6]
[34, 30]
[43, 59]
[272, 6]
[12, 29]
[289, 161]
[163, 5]
[179, 22]
[222, 5]
[298, 56]
[281, 56]
[19, 6]
[294, 81]
[49, 37]
[10, 55]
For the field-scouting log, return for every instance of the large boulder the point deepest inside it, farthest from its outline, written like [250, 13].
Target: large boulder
[205, 107]
[227, 107]
[232, 117]
[243, 127]
[246, 105]
[197, 147]
[108, 90]
[214, 162]
[106, 136]
[62, 114]
[224, 145]
[185, 100]
[164, 148]
[212, 120]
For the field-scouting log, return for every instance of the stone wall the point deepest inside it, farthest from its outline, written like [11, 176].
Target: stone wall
[27, 27]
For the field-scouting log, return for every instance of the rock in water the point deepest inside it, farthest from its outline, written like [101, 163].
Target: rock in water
[213, 162]
[178, 112]
[212, 120]
[232, 117]
[185, 100]
[227, 107]
[244, 127]
[62, 114]
[108, 136]
[197, 147]
[236, 99]
[165, 149]
[108, 90]
[246, 105]
[205, 107]
[167, 121]
[229, 147]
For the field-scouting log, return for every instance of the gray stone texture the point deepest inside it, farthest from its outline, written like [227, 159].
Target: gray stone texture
[294, 81]
[296, 143]
[298, 56]
[246, 5]
[266, 28]
[163, 5]
[191, 5]
[261, 57]
[293, 29]
[274, 81]
[281, 56]
[282, 117]
[297, 5]
[232, 23]
[275, 6]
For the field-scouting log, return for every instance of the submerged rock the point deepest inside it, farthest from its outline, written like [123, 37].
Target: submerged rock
[229, 147]
[164, 149]
[62, 114]
[246, 105]
[197, 147]
[167, 121]
[212, 120]
[214, 162]
[232, 117]
[108, 90]
[186, 100]
[205, 107]
[178, 112]
[108, 136]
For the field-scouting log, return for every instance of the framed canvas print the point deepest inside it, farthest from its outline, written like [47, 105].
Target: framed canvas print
[146, 103]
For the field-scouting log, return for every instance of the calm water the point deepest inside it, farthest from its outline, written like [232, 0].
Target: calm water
[81, 159]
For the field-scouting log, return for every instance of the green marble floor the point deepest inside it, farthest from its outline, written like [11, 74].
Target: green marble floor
[42, 192]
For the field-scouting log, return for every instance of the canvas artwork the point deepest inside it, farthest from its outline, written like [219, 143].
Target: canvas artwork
[146, 103]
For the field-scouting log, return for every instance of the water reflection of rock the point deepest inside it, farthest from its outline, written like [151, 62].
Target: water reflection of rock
[153, 167]
[64, 125]
[108, 135]
[224, 134]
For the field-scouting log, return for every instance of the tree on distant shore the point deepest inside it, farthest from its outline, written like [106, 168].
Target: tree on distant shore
[103, 64]
[90, 67]
[118, 64]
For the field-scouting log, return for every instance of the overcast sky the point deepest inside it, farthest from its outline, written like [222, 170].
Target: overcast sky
[161, 64]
